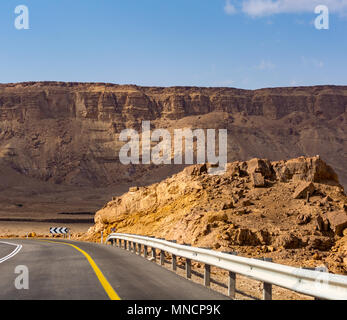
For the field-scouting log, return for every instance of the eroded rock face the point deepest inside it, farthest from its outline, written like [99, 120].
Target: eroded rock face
[67, 133]
[314, 170]
[229, 212]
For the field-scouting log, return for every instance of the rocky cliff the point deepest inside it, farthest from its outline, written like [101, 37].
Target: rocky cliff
[293, 211]
[67, 133]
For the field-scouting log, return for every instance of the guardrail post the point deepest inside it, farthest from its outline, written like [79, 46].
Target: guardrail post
[162, 258]
[125, 244]
[231, 279]
[188, 268]
[174, 262]
[207, 275]
[139, 248]
[267, 291]
[145, 251]
[267, 287]
[154, 254]
[232, 285]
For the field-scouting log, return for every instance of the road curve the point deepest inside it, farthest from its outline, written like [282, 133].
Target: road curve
[71, 270]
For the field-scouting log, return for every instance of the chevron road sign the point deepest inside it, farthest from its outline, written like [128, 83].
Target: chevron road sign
[59, 230]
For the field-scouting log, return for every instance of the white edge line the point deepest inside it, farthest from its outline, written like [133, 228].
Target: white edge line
[13, 253]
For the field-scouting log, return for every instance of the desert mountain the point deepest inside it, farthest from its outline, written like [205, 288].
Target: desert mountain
[294, 211]
[68, 133]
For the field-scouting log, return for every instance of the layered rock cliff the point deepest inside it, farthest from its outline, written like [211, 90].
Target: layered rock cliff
[67, 133]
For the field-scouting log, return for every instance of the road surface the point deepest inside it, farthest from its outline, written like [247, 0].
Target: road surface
[71, 270]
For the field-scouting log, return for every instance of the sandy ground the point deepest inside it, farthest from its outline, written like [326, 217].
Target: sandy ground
[10, 229]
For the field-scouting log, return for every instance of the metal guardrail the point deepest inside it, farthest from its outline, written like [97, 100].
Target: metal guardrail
[321, 285]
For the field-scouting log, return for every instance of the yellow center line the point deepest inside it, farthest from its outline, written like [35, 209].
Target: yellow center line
[106, 285]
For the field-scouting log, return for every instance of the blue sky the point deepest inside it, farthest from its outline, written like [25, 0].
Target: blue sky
[246, 43]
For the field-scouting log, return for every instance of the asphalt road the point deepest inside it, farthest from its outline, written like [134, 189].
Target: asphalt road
[88, 271]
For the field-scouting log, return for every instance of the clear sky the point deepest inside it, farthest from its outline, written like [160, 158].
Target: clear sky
[244, 43]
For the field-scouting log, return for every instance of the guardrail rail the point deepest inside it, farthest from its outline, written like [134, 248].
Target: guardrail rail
[314, 283]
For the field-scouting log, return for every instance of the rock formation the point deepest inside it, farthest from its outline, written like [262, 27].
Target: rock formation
[231, 213]
[67, 133]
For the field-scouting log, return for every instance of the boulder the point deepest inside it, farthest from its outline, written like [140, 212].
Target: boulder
[327, 199]
[303, 190]
[320, 243]
[260, 166]
[303, 219]
[196, 170]
[244, 237]
[247, 203]
[322, 224]
[227, 205]
[338, 221]
[258, 180]
[288, 241]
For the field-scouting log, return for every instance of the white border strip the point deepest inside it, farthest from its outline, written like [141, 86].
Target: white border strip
[13, 253]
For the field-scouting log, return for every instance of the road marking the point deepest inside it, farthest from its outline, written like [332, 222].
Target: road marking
[102, 279]
[13, 253]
